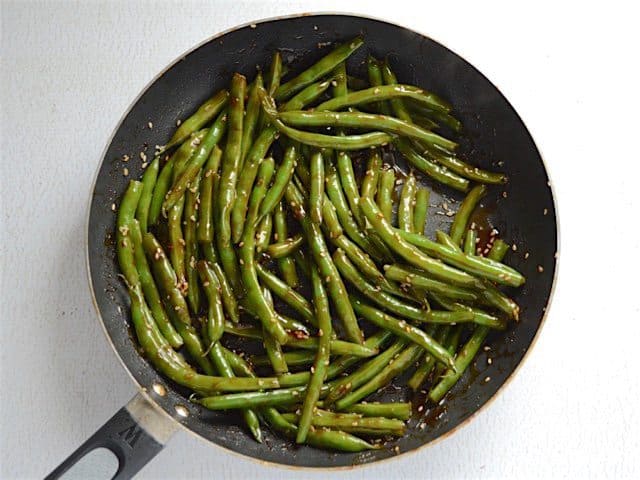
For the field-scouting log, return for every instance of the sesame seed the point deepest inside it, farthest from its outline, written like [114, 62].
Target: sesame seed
[143, 156]
[545, 211]
[113, 207]
[420, 408]
[526, 255]
[241, 244]
[178, 122]
[514, 247]
[125, 158]
[315, 27]
[145, 165]
[486, 348]
[487, 379]
[540, 269]
[489, 361]
[241, 261]
[125, 172]
[504, 195]
[253, 25]
[205, 283]
[150, 125]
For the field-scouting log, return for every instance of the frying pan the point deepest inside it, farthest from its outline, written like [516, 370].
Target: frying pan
[495, 137]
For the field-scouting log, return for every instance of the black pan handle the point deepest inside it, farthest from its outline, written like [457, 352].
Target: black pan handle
[135, 434]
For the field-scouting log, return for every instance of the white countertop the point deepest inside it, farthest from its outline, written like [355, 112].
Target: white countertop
[68, 73]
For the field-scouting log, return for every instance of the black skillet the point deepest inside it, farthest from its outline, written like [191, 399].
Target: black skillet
[523, 212]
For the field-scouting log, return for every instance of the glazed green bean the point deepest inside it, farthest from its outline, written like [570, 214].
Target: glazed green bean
[148, 183]
[438, 116]
[462, 362]
[286, 293]
[397, 104]
[306, 96]
[286, 247]
[415, 278]
[398, 410]
[402, 329]
[429, 168]
[319, 69]
[294, 359]
[282, 178]
[192, 168]
[352, 423]
[321, 362]
[274, 353]
[370, 180]
[364, 373]
[384, 195]
[339, 347]
[263, 233]
[251, 117]
[177, 245]
[410, 253]
[205, 218]
[316, 188]
[228, 298]
[468, 205]
[286, 264]
[205, 113]
[126, 215]
[479, 316]
[228, 182]
[215, 314]
[498, 250]
[150, 290]
[327, 268]
[476, 265]
[384, 123]
[190, 219]
[406, 204]
[470, 240]
[406, 358]
[428, 362]
[460, 167]
[420, 210]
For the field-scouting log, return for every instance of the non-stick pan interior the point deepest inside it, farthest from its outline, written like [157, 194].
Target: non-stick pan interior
[495, 137]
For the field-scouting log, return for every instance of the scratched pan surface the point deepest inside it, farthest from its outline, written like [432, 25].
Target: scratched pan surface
[494, 135]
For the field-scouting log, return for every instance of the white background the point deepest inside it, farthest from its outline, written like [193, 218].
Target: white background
[70, 70]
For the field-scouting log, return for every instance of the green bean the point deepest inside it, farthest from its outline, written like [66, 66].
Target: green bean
[417, 109]
[321, 362]
[331, 439]
[451, 343]
[352, 423]
[148, 183]
[383, 299]
[470, 240]
[249, 170]
[384, 195]
[480, 317]
[468, 205]
[363, 120]
[205, 113]
[462, 362]
[243, 331]
[228, 181]
[286, 247]
[374, 73]
[429, 168]
[165, 359]
[263, 233]
[151, 294]
[402, 329]
[428, 362]
[205, 224]
[274, 353]
[409, 252]
[398, 410]
[296, 327]
[415, 278]
[228, 297]
[364, 373]
[339, 347]
[166, 278]
[191, 243]
[286, 293]
[498, 250]
[420, 210]
[349, 142]
[126, 215]
[282, 178]
[335, 195]
[215, 315]
[370, 180]
[286, 264]
[397, 104]
[339, 365]
[177, 245]
[269, 398]
[406, 205]
[255, 299]
[294, 359]
[306, 96]
[384, 92]
[399, 365]
[316, 188]
[168, 173]
[476, 265]
[327, 268]
[196, 162]
[251, 117]
[495, 298]
[349, 185]
[319, 69]
[275, 73]
[456, 165]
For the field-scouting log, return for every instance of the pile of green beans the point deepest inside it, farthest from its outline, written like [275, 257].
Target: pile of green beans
[252, 227]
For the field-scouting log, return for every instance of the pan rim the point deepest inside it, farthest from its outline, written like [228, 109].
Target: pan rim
[142, 390]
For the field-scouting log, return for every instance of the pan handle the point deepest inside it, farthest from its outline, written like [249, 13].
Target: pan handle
[135, 434]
